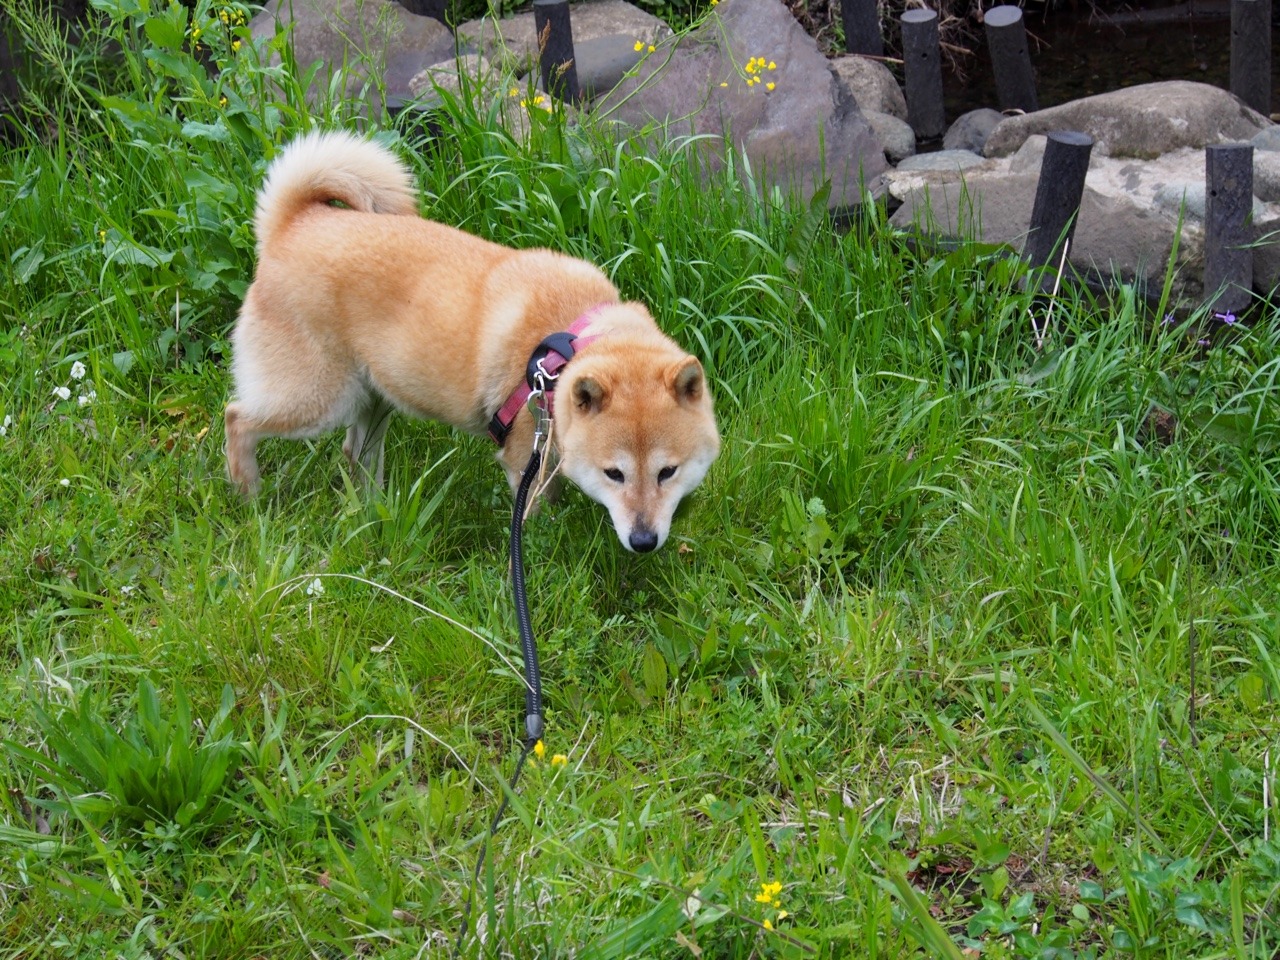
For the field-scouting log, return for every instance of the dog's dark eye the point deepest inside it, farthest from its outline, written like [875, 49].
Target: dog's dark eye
[614, 474]
[666, 473]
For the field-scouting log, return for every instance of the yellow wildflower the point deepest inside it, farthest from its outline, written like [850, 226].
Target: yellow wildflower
[515, 91]
[770, 85]
[639, 46]
[724, 83]
[652, 48]
[235, 47]
[782, 915]
[224, 17]
[195, 33]
[768, 925]
[222, 102]
[102, 236]
[539, 749]
[751, 66]
[772, 65]
[559, 760]
[769, 893]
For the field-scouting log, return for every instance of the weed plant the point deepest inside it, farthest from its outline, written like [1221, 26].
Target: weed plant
[964, 645]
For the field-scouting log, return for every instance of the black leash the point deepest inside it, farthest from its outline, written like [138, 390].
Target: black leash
[533, 722]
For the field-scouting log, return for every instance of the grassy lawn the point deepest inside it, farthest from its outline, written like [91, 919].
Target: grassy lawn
[964, 645]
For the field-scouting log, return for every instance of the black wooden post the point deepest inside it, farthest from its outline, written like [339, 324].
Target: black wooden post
[555, 48]
[1057, 204]
[861, 22]
[1010, 59]
[10, 92]
[1251, 53]
[1228, 230]
[427, 8]
[922, 64]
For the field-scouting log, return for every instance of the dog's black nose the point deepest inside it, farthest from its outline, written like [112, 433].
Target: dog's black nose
[643, 540]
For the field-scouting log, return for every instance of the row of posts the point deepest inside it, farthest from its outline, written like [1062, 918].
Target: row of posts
[1228, 261]
[1011, 58]
[1228, 273]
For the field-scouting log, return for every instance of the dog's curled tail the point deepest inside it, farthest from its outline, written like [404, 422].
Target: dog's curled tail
[331, 165]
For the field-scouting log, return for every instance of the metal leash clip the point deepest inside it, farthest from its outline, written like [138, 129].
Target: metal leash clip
[538, 408]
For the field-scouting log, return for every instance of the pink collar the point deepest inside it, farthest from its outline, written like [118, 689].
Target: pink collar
[542, 372]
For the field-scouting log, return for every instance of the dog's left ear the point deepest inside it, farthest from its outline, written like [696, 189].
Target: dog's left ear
[685, 380]
[590, 394]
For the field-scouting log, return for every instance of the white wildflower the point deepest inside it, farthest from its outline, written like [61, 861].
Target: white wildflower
[4, 427]
[87, 398]
[77, 371]
[64, 482]
[62, 393]
[315, 588]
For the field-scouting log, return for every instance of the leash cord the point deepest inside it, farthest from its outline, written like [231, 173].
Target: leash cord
[533, 723]
[532, 675]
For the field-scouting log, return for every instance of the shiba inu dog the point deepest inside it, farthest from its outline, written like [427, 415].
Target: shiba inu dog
[360, 306]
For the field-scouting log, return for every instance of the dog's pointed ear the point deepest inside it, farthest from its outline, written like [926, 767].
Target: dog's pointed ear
[590, 394]
[686, 380]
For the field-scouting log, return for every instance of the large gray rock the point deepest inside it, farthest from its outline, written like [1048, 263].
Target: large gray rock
[602, 62]
[513, 42]
[1268, 139]
[971, 130]
[897, 137]
[1266, 175]
[374, 38]
[945, 160]
[470, 71]
[1114, 237]
[796, 122]
[1030, 155]
[483, 84]
[1187, 199]
[1266, 256]
[1145, 121]
[872, 85]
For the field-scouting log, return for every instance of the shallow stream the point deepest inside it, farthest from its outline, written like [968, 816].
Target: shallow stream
[1077, 55]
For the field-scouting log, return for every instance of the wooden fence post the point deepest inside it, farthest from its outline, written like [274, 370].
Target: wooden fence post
[1057, 203]
[1010, 59]
[555, 48]
[1228, 226]
[922, 63]
[1251, 53]
[861, 20]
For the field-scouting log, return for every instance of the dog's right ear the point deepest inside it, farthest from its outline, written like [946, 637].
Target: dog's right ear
[590, 395]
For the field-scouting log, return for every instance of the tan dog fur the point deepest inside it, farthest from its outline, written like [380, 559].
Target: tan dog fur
[357, 311]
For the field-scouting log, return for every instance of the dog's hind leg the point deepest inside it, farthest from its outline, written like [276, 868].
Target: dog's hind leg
[286, 386]
[365, 442]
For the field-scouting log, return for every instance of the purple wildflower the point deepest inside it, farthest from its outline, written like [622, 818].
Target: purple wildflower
[1228, 318]
[1167, 321]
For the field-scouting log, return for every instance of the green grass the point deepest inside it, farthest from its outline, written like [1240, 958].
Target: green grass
[920, 650]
